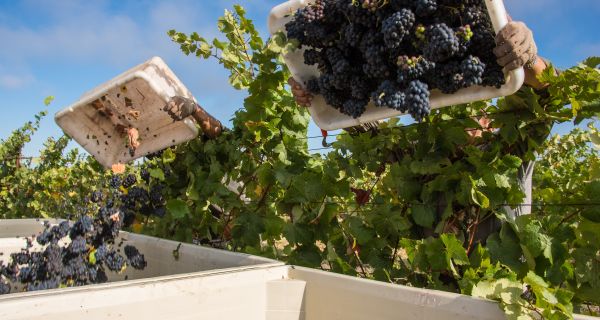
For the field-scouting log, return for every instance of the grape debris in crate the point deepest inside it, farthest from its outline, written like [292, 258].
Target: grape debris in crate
[124, 118]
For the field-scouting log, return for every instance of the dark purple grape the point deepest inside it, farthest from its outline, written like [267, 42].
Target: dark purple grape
[417, 100]
[129, 181]
[442, 43]
[397, 27]
[96, 196]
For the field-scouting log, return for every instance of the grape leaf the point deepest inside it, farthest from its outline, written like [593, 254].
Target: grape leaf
[157, 173]
[168, 156]
[505, 248]
[423, 215]
[455, 249]
[361, 197]
[178, 208]
[48, 100]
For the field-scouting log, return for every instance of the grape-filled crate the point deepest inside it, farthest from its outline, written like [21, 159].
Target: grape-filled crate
[369, 60]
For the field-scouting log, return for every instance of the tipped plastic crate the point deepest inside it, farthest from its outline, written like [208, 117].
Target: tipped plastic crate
[134, 99]
[328, 118]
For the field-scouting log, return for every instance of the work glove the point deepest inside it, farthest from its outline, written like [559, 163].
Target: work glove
[180, 108]
[302, 96]
[515, 47]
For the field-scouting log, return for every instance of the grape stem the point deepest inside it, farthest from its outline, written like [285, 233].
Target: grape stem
[473, 231]
[244, 44]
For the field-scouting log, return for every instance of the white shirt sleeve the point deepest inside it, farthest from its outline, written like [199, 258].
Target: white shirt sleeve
[525, 183]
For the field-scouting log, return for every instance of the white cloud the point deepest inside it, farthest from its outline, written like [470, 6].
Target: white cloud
[92, 31]
[102, 38]
[81, 32]
[78, 34]
[12, 81]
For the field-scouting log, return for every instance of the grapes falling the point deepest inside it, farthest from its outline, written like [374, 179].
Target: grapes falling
[84, 251]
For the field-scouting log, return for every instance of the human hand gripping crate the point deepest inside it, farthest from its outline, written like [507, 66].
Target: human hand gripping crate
[144, 110]
[363, 61]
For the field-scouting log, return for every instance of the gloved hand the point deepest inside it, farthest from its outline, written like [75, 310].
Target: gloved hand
[303, 97]
[515, 46]
[180, 108]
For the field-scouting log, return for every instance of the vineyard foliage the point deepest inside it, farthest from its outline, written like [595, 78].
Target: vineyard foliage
[53, 184]
[404, 204]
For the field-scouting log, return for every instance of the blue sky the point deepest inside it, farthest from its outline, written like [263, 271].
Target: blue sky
[66, 47]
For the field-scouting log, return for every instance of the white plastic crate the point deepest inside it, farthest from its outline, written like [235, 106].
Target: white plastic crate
[157, 252]
[328, 118]
[261, 293]
[133, 99]
[214, 284]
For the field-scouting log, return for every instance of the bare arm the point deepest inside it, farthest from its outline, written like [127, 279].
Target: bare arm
[180, 108]
[532, 73]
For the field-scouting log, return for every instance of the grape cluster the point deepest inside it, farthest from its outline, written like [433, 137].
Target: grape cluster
[154, 155]
[397, 27]
[315, 12]
[85, 250]
[425, 8]
[338, 62]
[394, 52]
[54, 234]
[312, 57]
[389, 94]
[156, 197]
[96, 196]
[473, 16]
[353, 34]
[472, 70]
[129, 180]
[442, 43]
[4, 287]
[138, 196]
[134, 257]
[115, 182]
[413, 68]
[417, 99]
[90, 251]
[145, 175]
[354, 108]
[114, 261]
[370, 4]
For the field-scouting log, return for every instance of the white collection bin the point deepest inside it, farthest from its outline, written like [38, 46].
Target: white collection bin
[328, 118]
[158, 252]
[214, 284]
[134, 99]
